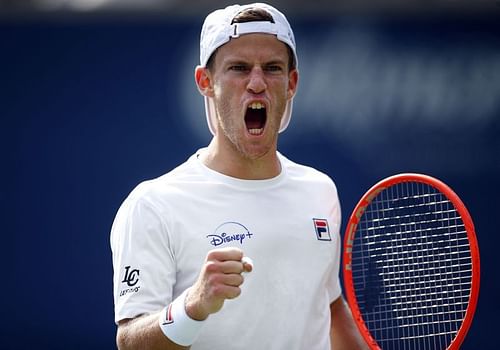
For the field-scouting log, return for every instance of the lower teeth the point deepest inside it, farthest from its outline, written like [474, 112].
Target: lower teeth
[255, 131]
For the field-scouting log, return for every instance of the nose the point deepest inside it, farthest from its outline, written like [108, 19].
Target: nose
[256, 81]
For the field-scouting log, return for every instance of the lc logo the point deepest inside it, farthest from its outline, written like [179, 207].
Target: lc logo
[131, 276]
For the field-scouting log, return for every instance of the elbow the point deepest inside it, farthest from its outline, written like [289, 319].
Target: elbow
[122, 340]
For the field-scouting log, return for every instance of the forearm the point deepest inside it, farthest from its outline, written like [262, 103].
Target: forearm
[220, 279]
[143, 333]
[344, 332]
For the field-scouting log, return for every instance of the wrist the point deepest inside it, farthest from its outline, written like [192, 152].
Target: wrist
[193, 309]
[177, 325]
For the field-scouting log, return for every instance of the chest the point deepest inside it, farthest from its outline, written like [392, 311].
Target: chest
[274, 228]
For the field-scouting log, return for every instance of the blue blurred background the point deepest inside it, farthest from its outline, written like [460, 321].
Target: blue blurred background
[97, 96]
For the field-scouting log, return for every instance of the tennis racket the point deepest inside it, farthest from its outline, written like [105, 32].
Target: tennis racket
[411, 265]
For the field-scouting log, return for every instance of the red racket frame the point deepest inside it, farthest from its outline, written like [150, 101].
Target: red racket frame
[349, 239]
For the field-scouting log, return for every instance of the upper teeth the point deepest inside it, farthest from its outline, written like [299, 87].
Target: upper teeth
[256, 105]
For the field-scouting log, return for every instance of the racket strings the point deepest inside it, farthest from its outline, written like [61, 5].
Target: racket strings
[413, 268]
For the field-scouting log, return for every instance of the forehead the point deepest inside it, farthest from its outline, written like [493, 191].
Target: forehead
[261, 47]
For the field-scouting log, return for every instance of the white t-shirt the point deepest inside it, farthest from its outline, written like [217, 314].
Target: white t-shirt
[288, 225]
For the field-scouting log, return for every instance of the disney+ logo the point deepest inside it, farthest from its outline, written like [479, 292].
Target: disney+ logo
[229, 232]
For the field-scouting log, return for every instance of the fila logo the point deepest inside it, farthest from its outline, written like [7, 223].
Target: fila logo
[322, 230]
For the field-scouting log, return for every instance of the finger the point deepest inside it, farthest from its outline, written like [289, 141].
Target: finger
[230, 292]
[247, 264]
[234, 280]
[224, 286]
[231, 266]
[225, 254]
[224, 267]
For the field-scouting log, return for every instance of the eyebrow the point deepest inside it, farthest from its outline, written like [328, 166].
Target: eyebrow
[231, 61]
[276, 62]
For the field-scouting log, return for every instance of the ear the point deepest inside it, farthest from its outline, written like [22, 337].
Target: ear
[293, 80]
[203, 80]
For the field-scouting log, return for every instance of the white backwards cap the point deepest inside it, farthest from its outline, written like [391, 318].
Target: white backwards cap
[218, 30]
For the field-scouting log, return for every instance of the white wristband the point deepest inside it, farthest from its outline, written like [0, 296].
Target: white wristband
[177, 325]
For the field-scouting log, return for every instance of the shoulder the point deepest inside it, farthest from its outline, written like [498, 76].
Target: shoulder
[304, 173]
[152, 191]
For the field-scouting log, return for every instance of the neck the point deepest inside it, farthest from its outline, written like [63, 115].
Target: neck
[235, 164]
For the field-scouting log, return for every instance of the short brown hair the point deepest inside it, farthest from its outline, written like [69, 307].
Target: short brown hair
[251, 15]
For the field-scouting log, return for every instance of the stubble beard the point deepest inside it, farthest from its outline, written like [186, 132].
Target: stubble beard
[234, 132]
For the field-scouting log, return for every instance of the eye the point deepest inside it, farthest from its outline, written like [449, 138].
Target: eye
[273, 68]
[238, 68]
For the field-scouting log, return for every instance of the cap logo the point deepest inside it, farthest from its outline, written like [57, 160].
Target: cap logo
[254, 27]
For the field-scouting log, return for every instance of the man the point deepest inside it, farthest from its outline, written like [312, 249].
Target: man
[182, 276]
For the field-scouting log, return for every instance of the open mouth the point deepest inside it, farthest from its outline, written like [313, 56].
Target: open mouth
[255, 118]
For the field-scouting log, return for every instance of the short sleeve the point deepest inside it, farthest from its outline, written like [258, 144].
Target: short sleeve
[143, 266]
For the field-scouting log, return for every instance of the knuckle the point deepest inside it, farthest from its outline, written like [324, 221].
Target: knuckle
[213, 280]
[218, 291]
[212, 253]
[211, 267]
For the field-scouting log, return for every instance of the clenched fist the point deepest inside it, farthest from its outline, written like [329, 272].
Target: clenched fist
[220, 279]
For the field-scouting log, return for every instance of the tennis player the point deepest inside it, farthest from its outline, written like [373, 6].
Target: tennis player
[238, 247]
